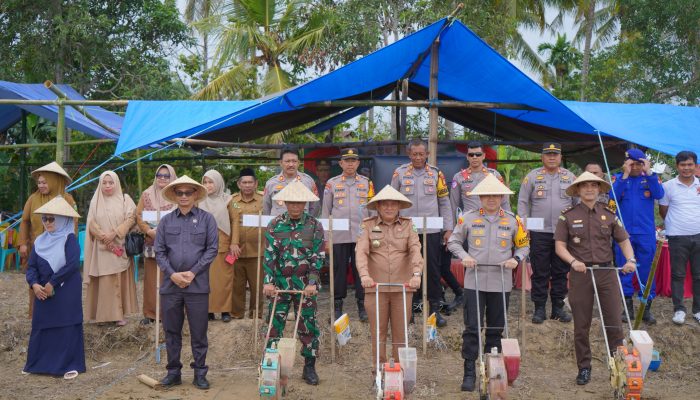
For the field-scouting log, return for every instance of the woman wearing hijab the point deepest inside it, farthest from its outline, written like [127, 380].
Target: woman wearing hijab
[218, 203]
[156, 207]
[56, 344]
[111, 291]
[51, 180]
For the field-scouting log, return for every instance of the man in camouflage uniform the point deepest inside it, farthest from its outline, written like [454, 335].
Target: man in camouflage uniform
[543, 195]
[293, 260]
[493, 236]
[424, 185]
[346, 196]
[289, 162]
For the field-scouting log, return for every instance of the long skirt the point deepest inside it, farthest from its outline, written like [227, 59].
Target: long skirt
[55, 351]
[111, 297]
[220, 284]
[149, 287]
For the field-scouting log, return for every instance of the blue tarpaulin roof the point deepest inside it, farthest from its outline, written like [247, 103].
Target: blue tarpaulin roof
[469, 70]
[149, 122]
[11, 114]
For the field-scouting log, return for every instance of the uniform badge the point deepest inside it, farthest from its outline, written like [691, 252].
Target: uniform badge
[565, 178]
[408, 189]
[603, 217]
[526, 180]
[540, 193]
[408, 182]
[540, 177]
[376, 229]
[477, 242]
[279, 187]
[360, 185]
[340, 201]
[504, 243]
[376, 243]
[647, 193]
[577, 239]
[280, 202]
[194, 220]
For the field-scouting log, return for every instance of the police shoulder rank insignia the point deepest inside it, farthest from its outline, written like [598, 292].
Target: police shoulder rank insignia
[376, 229]
[525, 180]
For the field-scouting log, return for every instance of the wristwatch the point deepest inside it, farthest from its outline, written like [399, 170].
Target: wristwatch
[517, 258]
[419, 274]
[633, 260]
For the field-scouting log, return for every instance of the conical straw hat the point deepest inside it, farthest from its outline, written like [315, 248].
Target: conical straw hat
[297, 192]
[587, 177]
[169, 191]
[58, 206]
[490, 186]
[55, 168]
[389, 193]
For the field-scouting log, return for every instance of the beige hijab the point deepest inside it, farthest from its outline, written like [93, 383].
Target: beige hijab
[110, 213]
[217, 203]
[154, 198]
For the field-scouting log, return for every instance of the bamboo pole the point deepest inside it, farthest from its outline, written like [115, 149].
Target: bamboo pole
[33, 145]
[139, 171]
[257, 286]
[523, 304]
[60, 133]
[424, 280]
[433, 95]
[23, 162]
[647, 288]
[55, 102]
[49, 85]
[330, 285]
[422, 103]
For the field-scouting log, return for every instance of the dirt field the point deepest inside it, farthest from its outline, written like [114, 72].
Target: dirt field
[115, 356]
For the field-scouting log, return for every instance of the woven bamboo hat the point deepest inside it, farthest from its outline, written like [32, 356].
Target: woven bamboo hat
[55, 168]
[169, 191]
[296, 192]
[490, 186]
[587, 177]
[389, 193]
[58, 206]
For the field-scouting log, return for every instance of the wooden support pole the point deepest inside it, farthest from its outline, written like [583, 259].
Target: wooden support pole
[257, 292]
[421, 103]
[139, 171]
[60, 133]
[523, 304]
[23, 162]
[330, 284]
[37, 145]
[433, 97]
[424, 282]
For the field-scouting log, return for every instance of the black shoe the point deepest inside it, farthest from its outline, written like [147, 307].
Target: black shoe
[629, 303]
[338, 307]
[171, 380]
[417, 307]
[469, 380]
[445, 308]
[225, 317]
[458, 300]
[584, 376]
[201, 382]
[439, 319]
[647, 317]
[309, 374]
[146, 321]
[212, 317]
[558, 312]
[361, 311]
[539, 315]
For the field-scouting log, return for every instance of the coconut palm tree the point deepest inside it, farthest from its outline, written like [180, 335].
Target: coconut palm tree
[257, 40]
[198, 14]
[563, 57]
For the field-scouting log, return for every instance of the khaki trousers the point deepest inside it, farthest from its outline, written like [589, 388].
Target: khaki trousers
[390, 308]
[582, 298]
[245, 271]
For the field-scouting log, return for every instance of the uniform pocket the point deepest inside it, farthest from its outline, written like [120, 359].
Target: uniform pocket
[562, 192]
[408, 187]
[172, 231]
[198, 238]
[429, 186]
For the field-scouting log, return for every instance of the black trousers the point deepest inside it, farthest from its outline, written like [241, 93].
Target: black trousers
[435, 251]
[546, 267]
[344, 254]
[492, 304]
[446, 271]
[683, 249]
[174, 306]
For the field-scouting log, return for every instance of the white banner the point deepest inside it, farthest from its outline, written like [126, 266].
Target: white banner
[534, 223]
[339, 224]
[431, 222]
[252, 220]
[152, 216]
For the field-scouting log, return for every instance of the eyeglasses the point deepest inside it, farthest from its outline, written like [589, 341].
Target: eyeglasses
[163, 176]
[186, 193]
[475, 154]
[48, 219]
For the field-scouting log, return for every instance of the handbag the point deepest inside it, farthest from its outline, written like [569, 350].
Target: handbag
[134, 243]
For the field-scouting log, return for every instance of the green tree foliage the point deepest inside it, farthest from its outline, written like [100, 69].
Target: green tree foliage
[564, 59]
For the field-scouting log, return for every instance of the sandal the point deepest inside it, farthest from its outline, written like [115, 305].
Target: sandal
[70, 375]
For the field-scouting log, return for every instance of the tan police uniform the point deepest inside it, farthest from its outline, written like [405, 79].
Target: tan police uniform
[429, 195]
[245, 269]
[278, 182]
[464, 182]
[346, 197]
[543, 195]
[588, 233]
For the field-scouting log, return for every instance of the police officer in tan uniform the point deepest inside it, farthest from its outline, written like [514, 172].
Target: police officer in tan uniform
[583, 236]
[466, 180]
[244, 241]
[424, 185]
[494, 236]
[289, 161]
[543, 195]
[346, 196]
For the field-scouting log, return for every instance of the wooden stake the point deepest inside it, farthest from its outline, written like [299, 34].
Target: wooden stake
[332, 289]
[523, 304]
[257, 285]
[433, 97]
[425, 286]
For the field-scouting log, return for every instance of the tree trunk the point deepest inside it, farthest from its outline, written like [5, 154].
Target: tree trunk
[585, 69]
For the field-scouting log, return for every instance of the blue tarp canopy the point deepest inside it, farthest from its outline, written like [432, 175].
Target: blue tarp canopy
[149, 122]
[12, 114]
[469, 70]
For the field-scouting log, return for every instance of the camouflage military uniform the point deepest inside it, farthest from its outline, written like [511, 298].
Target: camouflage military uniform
[293, 259]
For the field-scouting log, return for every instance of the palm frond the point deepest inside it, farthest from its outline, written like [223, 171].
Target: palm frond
[276, 79]
[227, 84]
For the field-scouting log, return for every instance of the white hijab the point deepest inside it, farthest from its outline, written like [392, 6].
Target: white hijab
[51, 246]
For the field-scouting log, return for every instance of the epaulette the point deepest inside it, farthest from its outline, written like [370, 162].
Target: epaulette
[511, 213]
[405, 218]
[432, 166]
[607, 207]
[566, 210]
[369, 218]
[304, 174]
